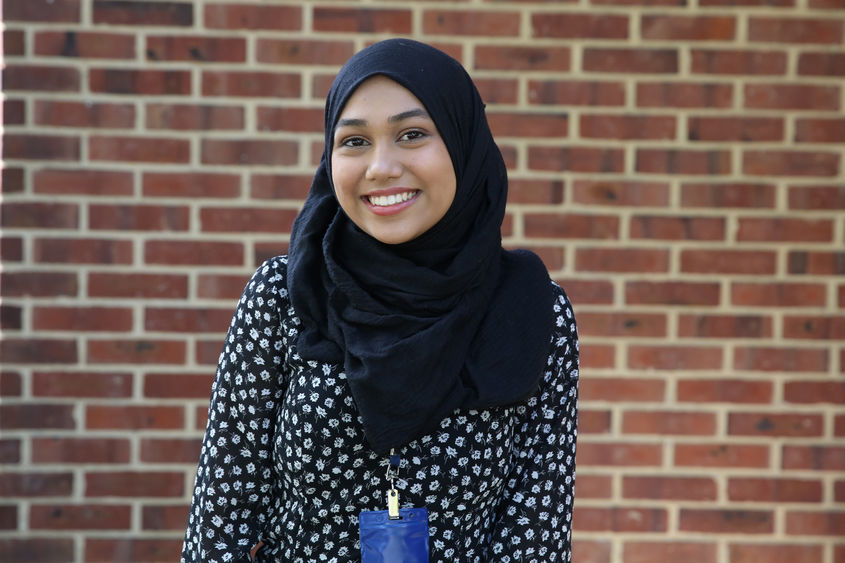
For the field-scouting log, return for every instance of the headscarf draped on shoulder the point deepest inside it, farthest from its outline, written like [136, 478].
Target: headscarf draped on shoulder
[445, 321]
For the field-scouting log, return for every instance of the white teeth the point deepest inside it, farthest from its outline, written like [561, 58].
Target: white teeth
[392, 199]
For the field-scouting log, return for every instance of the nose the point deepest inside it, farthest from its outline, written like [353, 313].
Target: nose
[384, 163]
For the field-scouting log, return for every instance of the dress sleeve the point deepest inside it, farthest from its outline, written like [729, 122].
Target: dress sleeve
[533, 522]
[233, 487]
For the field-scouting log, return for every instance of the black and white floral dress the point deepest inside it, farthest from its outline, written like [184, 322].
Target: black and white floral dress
[284, 460]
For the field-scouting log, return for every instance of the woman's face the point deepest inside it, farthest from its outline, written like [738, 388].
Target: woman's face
[391, 171]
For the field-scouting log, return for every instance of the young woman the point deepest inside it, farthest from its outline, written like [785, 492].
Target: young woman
[398, 352]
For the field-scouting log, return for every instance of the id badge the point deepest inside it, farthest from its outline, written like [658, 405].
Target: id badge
[394, 540]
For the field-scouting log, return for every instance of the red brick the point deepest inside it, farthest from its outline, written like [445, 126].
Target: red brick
[136, 351]
[717, 521]
[728, 195]
[750, 262]
[497, 90]
[40, 147]
[623, 389]
[818, 458]
[680, 95]
[594, 421]
[821, 64]
[791, 97]
[774, 490]
[618, 519]
[82, 251]
[11, 248]
[621, 193]
[83, 318]
[629, 60]
[249, 152]
[40, 78]
[36, 415]
[784, 230]
[251, 83]
[750, 3]
[498, 57]
[775, 553]
[598, 356]
[220, 286]
[132, 550]
[362, 20]
[622, 324]
[170, 450]
[28, 215]
[177, 385]
[677, 228]
[820, 131]
[615, 454]
[721, 455]
[830, 523]
[134, 484]
[279, 186]
[140, 149]
[200, 418]
[189, 185]
[146, 82]
[724, 326]
[575, 92]
[576, 159]
[11, 385]
[674, 357]
[253, 16]
[683, 161]
[513, 124]
[85, 45]
[725, 391]
[196, 48]
[130, 417]
[182, 320]
[139, 217]
[38, 351]
[549, 225]
[681, 28]
[594, 486]
[456, 23]
[246, 220]
[14, 112]
[750, 129]
[588, 291]
[535, 191]
[39, 284]
[83, 114]
[35, 484]
[669, 488]
[138, 285]
[205, 253]
[42, 11]
[650, 552]
[795, 30]
[668, 423]
[164, 517]
[816, 263]
[80, 517]
[303, 51]
[814, 327]
[80, 450]
[11, 317]
[42, 549]
[626, 127]
[817, 197]
[738, 62]
[778, 294]
[8, 517]
[194, 117]
[814, 392]
[14, 41]
[574, 25]
[81, 384]
[82, 182]
[143, 13]
[619, 260]
[770, 424]
[304, 120]
[781, 359]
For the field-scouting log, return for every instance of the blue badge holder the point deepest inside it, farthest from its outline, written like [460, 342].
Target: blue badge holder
[394, 540]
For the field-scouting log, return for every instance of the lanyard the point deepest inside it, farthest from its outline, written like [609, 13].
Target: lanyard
[394, 461]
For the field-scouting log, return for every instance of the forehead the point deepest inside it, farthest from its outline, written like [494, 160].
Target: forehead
[379, 96]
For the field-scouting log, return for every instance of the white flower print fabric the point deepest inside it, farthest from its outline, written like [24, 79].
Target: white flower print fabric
[284, 460]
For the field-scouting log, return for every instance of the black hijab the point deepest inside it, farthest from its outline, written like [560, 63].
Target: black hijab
[447, 320]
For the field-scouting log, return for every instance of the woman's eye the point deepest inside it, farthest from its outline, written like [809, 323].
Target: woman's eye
[353, 142]
[412, 135]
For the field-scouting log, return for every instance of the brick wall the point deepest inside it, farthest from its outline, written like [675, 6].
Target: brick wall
[677, 163]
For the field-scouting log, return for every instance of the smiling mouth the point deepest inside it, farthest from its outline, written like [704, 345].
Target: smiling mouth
[392, 199]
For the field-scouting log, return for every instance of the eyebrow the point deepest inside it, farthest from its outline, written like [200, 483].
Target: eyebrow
[417, 112]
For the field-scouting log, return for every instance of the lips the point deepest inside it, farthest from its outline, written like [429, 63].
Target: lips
[388, 202]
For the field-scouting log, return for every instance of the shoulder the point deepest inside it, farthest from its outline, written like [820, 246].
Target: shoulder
[564, 339]
[564, 315]
[268, 285]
